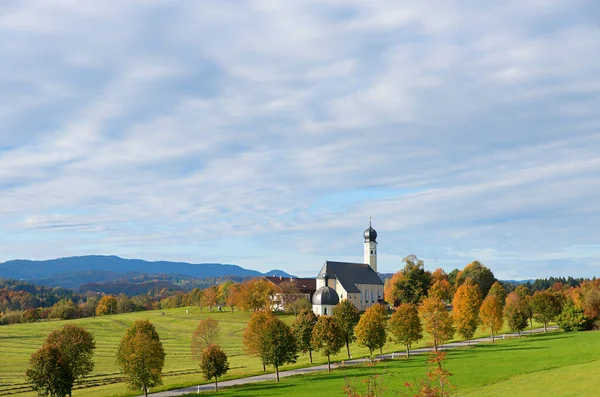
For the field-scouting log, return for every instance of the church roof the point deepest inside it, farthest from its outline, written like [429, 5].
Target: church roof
[325, 296]
[349, 274]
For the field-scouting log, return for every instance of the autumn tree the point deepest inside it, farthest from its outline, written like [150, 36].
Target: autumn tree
[75, 347]
[491, 314]
[465, 308]
[210, 297]
[47, 374]
[256, 294]
[347, 317]
[516, 312]
[370, 330]
[106, 305]
[254, 334]
[288, 293]
[498, 291]
[441, 290]
[525, 295]
[207, 333]
[141, 356]
[213, 363]
[545, 306]
[124, 304]
[278, 345]
[481, 275]
[405, 325]
[410, 284]
[437, 321]
[302, 328]
[327, 337]
[232, 296]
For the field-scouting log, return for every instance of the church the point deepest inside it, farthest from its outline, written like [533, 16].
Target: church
[359, 283]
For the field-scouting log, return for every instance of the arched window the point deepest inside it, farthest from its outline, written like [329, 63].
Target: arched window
[325, 311]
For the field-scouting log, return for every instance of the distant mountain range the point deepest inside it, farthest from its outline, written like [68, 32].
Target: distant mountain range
[76, 270]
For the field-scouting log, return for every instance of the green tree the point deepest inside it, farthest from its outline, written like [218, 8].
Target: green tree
[300, 304]
[47, 373]
[516, 311]
[141, 356]
[278, 345]
[370, 330]
[124, 304]
[572, 318]
[303, 327]
[437, 321]
[498, 291]
[410, 284]
[545, 306]
[327, 337]
[405, 325]
[207, 333]
[465, 308]
[347, 316]
[213, 363]
[482, 276]
[64, 309]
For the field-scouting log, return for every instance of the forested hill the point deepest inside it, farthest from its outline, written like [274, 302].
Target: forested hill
[98, 268]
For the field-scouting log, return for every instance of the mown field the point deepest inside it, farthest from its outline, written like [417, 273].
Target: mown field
[175, 327]
[552, 364]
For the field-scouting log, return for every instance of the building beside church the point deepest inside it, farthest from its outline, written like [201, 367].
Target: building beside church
[358, 283]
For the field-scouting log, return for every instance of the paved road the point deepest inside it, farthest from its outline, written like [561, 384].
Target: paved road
[317, 368]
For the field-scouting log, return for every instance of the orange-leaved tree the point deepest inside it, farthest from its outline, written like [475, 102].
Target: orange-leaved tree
[207, 333]
[255, 333]
[370, 330]
[347, 316]
[465, 308]
[437, 321]
[491, 314]
[405, 325]
[327, 337]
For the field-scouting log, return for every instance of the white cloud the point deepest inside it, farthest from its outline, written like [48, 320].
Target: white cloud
[150, 127]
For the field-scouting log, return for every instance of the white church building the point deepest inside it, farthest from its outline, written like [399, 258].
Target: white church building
[358, 283]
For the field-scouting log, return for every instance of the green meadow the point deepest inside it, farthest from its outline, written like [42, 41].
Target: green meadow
[552, 364]
[175, 328]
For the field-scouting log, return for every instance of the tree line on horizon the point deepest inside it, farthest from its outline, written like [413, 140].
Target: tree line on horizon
[421, 303]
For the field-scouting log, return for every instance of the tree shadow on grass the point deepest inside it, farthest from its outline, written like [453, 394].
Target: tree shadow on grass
[257, 389]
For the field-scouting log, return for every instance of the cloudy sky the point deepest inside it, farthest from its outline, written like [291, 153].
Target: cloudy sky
[265, 133]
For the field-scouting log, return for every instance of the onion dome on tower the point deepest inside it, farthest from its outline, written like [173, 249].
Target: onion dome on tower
[370, 234]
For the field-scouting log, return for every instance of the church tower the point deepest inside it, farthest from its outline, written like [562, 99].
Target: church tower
[371, 247]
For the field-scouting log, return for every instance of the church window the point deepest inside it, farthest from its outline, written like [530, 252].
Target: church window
[373, 296]
[372, 252]
[325, 311]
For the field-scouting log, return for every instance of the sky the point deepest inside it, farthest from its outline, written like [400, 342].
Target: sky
[266, 133]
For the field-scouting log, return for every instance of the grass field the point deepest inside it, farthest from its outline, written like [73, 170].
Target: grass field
[175, 328]
[553, 364]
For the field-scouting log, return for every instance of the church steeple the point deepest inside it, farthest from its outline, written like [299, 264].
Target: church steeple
[370, 245]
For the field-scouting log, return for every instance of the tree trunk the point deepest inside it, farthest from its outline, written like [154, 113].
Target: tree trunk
[216, 385]
[348, 346]
[371, 355]
[310, 355]
[380, 349]
[545, 324]
[277, 372]
[530, 325]
[328, 364]
[264, 367]
[407, 351]
[492, 336]
[145, 391]
[435, 345]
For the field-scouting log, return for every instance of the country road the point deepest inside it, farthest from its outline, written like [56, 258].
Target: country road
[317, 368]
